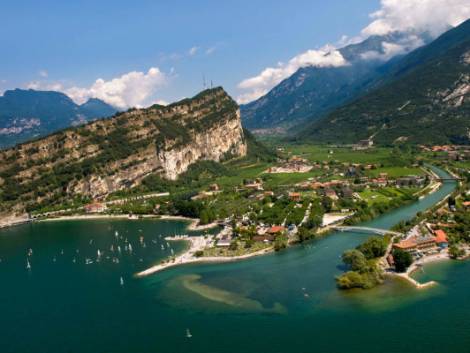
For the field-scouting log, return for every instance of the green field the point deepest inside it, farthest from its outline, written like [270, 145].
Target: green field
[342, 154]
[395, 172]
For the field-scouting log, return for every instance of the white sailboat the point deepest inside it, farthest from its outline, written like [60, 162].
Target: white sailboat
[28, 265]
[121, 281]
[188, 333]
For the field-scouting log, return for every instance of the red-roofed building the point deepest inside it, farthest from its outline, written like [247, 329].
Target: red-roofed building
[95, 207]
[406, 245]
[295, 196]
[441, 238]
[276, 230]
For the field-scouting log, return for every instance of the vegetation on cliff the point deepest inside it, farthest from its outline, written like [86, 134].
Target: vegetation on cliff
[119, 152]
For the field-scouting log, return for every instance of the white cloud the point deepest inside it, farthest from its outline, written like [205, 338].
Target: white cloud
[413, 17]
[432, 16]
[210, 50]
[258, 85]
[193, 51]
[45, 86]
[389, 50]
[43, 73]
[134, 89]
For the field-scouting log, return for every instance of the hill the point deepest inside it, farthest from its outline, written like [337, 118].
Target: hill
[311, 92]
[107, 155]
[424, 98]
[26, 114]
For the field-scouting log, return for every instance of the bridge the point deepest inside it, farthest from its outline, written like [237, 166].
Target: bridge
[450, 179]
[377, 231]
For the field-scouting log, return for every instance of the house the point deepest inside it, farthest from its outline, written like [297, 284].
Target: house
[409, 181]
[331, 194]
[255, 186]
[466, 204]
[425, 243]
[265, 238]
[441, 238]
[380, 182]
[214, 187]
[407, 245]
[269, 193]
[295, 196]
[95, 207]
[274, 230]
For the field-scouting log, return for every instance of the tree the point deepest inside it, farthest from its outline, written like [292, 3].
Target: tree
[402, 260]
[233, 245]
[373, 247]
[455, 252]
[355, 260]
[280, 243]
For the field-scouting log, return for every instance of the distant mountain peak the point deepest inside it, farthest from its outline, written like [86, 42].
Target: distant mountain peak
[27, 113]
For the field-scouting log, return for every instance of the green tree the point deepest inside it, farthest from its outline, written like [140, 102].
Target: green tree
[355, 260]
[455, 252]
[373, 247]
[402, 260]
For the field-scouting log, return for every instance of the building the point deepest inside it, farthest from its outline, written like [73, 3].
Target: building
[407, 245]
[441, 238]
[95, 207]
[295, 196]
[274, 230]
[214, 187]
[331, 194]
[411, 180]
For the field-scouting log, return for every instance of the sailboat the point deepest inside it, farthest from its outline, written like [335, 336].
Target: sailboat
[121, 281]
[188, 333]
[28, 265]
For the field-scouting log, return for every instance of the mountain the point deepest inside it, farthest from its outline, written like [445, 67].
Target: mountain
[111, 154]
[26, 114]
[311, 92]
[423, 98]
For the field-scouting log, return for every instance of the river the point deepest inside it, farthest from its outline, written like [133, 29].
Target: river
[283, 302]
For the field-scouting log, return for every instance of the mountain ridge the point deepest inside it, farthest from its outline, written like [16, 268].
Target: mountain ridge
[26, 114]
[110, 154]
[425, 98]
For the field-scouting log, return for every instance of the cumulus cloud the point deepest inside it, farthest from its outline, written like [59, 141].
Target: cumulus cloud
[133, 89]
[411, 17]
[45, 86]
[43, 73]
[193, 51]
[431, 16]
[258, 85]
[389, 50]
[210, 50]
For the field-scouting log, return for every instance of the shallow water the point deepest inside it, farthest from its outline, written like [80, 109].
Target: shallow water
[285, 302]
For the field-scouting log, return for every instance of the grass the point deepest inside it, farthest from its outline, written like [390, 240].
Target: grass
[395, 172]
[342, 154]
[224, 252]
[371, 197]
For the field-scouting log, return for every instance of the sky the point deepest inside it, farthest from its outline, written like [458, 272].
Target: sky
[136, 53]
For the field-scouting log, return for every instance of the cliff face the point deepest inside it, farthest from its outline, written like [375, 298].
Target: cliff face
[112, 154]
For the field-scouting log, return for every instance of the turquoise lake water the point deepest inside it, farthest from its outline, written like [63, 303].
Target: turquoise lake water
[283, 302]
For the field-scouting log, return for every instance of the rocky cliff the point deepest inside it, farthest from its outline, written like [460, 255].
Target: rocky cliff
[112, 154]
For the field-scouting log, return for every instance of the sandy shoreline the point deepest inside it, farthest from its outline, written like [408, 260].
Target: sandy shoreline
[417, 265]
[197, 243]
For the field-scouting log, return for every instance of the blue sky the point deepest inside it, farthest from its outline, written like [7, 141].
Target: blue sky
[70, 44]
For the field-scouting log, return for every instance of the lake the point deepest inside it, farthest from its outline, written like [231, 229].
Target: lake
[283, 302]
